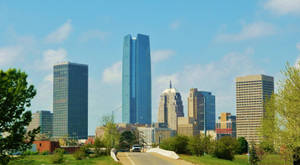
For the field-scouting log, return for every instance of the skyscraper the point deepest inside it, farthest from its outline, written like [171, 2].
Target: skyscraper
[136, 80]
[44, 120]
[251, 94]
[201, 107]
[70, 100]
[170, 108]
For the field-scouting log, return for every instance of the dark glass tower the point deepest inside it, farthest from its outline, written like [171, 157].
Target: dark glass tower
[70, 101]
[136, 80]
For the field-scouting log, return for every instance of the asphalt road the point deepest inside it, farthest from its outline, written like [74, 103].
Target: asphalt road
[142, 158]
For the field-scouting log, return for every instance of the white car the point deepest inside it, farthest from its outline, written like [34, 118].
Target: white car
[136, 148]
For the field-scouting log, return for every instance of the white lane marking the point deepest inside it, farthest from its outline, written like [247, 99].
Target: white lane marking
[131, 161]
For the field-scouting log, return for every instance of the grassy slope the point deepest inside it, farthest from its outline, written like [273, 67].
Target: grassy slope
[69, 160]
[239, 160]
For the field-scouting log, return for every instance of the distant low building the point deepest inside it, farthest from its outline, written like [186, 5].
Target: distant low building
[226, 125]
[187, 127]
[151, 135]
[46, 146]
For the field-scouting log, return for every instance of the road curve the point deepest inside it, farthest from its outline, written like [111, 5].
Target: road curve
[141, 158]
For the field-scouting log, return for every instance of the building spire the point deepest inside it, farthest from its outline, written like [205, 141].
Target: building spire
[170, 84]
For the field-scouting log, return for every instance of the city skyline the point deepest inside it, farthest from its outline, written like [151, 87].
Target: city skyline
[202, 45]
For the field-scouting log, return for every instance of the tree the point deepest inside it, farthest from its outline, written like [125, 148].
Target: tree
[127, 139]
[177, 144]
[281, 122]
[242, 145]
[225, 148]
[196, 145]
[111, 134]
[15, 97]
[253, 155]
[98, 144]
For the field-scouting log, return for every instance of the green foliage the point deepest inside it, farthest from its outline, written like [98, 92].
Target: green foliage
[111, 136]
[15, 97]
[177, 144]
[127, 139]
[79, 155]
[242, 145]
[225, 148]
[98, 144]
[254, 159]
[29, 152]
[198, 145]
[281, 123]
[45, 153]
[58, 156]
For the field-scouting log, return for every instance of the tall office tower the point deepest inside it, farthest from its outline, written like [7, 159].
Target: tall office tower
[170, 108]
[201, 108]
[70, 100]
[251, 93]
[136, 80]
[226, 125]
[42, 119]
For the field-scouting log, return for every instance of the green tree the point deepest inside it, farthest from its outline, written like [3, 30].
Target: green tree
[196, 145]
[242, 145]
[98, 144]
[177, 144]
[127, 139]
[254, 159]
[225, 148]
[281, 123]
[111, 136]
[15, 97]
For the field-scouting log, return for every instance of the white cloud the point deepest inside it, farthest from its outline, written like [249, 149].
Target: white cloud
[249, 31]
[113, 74]
[10, 54]
[161, 55]
[93, 34]
[51, 57]
[60, 34]
[175, 25]
[282, 7]
[217, 77]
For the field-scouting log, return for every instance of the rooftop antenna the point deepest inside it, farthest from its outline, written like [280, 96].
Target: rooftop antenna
[170, 84]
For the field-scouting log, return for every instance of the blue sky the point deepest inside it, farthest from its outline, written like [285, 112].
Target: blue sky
[200, 44]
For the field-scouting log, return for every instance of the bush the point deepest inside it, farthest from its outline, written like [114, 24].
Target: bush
[177, 144]
[81, 153]
[29, 152]
[196, 145]
[58, 156]
[242, 146]
[254, 159]
[225, 148]
[98, 144]
[45, 153]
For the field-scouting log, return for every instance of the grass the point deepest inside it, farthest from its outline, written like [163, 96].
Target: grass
[68, 160]
[239, 160]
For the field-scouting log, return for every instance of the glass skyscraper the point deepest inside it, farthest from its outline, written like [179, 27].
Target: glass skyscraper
[209, 110]
[136, 80]
[70, 100]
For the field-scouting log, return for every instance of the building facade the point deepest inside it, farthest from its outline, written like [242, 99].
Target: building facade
[170, 108]
[70, 100]
[251, 94]
[226, 125]
[201, 108]
[44, 120]
[136, 80]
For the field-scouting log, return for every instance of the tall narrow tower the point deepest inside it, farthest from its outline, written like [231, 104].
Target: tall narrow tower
[70, 100]
[136, 80]
[251, 94]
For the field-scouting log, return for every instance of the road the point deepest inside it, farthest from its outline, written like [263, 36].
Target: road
[142, 158]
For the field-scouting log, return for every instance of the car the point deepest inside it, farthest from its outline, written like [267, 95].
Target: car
[136, 148]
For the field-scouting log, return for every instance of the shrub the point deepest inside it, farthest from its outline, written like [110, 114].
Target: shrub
[254, 159]
[45, 153]
[79, 155]
[225, 148]
[29, 152]
[58, 156]
[242, 146]
[196, 145]
[177, 144]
